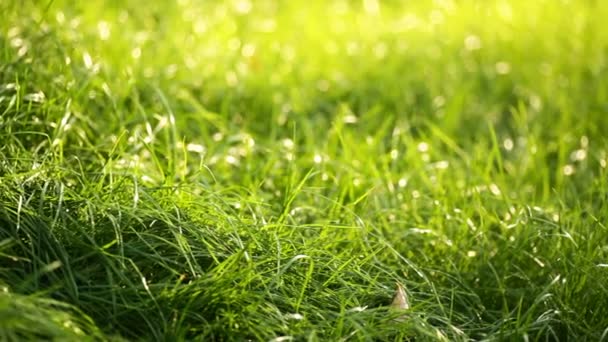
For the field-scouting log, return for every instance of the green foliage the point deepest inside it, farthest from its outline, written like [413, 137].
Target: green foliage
[269, 170]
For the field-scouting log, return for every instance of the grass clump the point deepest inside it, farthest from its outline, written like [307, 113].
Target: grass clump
[271, 170]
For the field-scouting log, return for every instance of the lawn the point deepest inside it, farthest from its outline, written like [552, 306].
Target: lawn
[273, 170]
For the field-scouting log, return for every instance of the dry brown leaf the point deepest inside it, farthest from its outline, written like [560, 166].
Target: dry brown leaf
[400, 302]
[400, 299]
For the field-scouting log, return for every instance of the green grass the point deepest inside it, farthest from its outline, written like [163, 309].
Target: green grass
[269, 170]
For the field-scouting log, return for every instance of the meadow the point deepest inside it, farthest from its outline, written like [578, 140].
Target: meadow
[270, 170]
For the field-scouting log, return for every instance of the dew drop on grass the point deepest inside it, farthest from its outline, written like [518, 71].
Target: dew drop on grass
[248, 50]
[358, 309]
[472, 42]
[103, 29]
[17, 42]
[288, 143]
[9, 86]
[22, 51]
[350, 119]
[504, 10]
[503, 68]
[243, 6]
[70, 325]
[88, 61]
[60, 17]
[200, 27]
[318, 159]
[136, 53]
[141, 37]
[508, 144]
[471, 224]
[294, 316]
[494, 189]
[438, 101]
[578, 155]
[145, 283]
[75, 23]
[195, 148]
[441, 165]
[536, 103]
[38, 97]
[267, 25]
[171, 70]
[232, 160]
[408, 22]
[568, 170]
[380, 50]
[248, 140]
[440, 335]
[282, 339]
